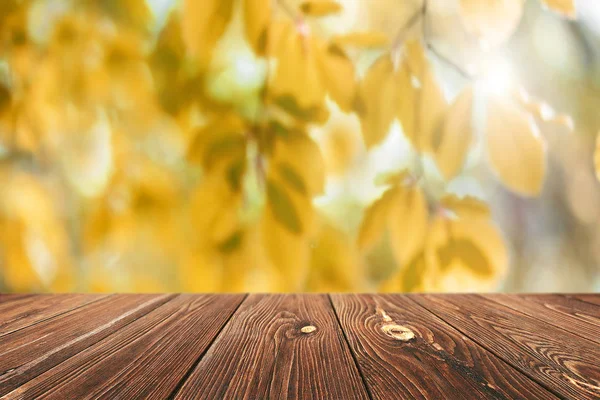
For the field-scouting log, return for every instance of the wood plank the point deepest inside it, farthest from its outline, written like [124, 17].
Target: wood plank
[437, 362]
[9, 297]
[263, 352]
[588, 298]
[144, 360]
[26, 353]
[555, 358]
[21, 312]
[575, 316]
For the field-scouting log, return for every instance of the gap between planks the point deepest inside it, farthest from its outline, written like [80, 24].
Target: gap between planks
[187, 374]
[559, 391]
[53, 316]
[491, 351]
[298, 328]
[356, 364]
[139, 311]
[463, 367]
[508, 302]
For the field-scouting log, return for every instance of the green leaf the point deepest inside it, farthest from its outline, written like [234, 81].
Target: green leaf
[282, 207]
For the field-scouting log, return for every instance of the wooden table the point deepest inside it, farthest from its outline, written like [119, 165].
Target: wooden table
[300, 346]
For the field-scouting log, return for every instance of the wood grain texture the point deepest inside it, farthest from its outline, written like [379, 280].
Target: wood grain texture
[28, 352]
[573, 315]
[559, 360]
[439, 362]
[588, 298]
[263, 353]
[18, 312]
[9, 297]
[299, 346]
[144, 360]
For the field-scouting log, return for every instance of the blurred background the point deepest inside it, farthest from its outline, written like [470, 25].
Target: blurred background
[105, 186]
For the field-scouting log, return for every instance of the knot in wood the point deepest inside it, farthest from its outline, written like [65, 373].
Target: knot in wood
[308, 329]
[398, 332]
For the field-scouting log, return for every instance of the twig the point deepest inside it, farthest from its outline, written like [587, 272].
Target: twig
[399, 39]
[463, 72]
[442, 57]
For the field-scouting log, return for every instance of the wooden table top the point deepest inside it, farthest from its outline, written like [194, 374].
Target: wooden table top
[355, 346]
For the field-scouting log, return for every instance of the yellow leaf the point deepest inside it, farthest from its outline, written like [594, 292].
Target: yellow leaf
[5, 99]
[407, 102]
[408, 279]
[301, 155]
[362, 40]
[341, 142]
[407, 223]
[291, 177]
[465, 251]
[232, 243]
[35, 245]
[259, 263]
[453, 138]
[491, 21]
[297, 74]
[413, 111]
[432, 107]
[465, 207]
[283, 208]
[320, 8]
[257, 16]
[597, 157]
[203, 24]
[334, 263]
[515, 148]
[225, 224]
[166, 62]
[288, 252]
[415, 58]
[337, 73]
[374, 221]
[316, 113]
[220, 145]
[376, 104]
[393, 178]
[214, 210]
[566, 8]
[132, 12]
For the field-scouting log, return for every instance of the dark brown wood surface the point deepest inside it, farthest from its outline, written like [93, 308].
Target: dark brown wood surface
[278, 346]
[574, 315]
[561, 361]
[437, 362]
[19, 311]
[354, 346]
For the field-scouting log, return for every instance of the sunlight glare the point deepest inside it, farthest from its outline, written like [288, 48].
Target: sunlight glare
[497, 77]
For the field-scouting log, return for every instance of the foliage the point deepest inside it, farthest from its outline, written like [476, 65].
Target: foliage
[193, 139]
